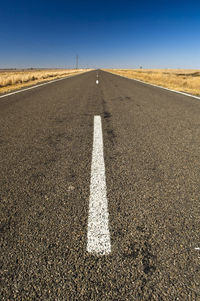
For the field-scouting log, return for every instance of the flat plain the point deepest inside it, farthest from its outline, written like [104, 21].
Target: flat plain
[183, 80]
[16, 79]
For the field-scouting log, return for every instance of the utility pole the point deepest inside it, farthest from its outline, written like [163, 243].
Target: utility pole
[77, 61]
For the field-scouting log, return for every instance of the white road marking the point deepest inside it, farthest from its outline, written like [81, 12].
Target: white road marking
[98, 236]
[197, 249]
[97, 82]
[39, 85]
[141, 81]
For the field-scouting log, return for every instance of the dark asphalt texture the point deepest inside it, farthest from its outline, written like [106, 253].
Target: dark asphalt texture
[152, 159]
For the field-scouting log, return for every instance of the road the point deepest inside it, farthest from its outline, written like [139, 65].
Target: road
[151, 153]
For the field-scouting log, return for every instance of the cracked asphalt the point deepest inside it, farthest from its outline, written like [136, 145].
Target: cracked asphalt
[152, 160]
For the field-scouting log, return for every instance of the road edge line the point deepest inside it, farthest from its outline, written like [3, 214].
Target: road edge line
[40, 85]
[161, 87]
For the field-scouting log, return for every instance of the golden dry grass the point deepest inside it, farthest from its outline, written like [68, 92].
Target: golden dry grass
[13, 80]
[177, 79]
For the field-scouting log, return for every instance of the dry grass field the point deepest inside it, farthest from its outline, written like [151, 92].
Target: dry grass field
[17, 79]
[177, 79]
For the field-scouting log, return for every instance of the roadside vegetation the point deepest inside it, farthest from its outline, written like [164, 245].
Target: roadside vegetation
[187, 81]
[17, 79]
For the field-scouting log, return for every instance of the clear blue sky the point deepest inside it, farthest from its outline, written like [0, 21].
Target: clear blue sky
[116, 34]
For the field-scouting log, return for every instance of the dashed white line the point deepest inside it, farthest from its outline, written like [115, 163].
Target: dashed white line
[97, 82]
[98, 236]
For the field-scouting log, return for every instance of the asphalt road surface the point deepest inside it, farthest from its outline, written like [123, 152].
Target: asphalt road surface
[148, 164]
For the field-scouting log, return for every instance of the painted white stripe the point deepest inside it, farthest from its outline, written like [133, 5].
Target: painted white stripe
[98, 236]
[141, 81]
[39, 85]
[97, 82]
